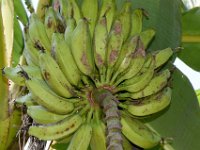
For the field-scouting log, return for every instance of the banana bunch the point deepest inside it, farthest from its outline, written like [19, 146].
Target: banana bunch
[89, 78]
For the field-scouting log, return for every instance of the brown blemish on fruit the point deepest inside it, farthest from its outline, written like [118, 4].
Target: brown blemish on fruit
[84, 60]
[49, 23]
[46, 75]
[118, 27]
[99, 60]
[103, 21]
[113, 55]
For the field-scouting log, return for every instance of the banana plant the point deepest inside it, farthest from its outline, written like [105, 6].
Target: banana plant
[71, 104]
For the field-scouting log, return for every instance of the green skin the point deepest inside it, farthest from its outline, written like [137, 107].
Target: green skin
[53, 22]
[38, 33]
[63, 56]
[54, 76]
[90, 12]
[57, 130]
[81, 48]
[81, 139]
[43, 96]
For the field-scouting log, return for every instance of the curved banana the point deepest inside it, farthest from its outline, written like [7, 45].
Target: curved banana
[90, 12]
[53, 22]
[115, 42]
[81, 139]
[135, 65]
[126, 143]
[136, 25]
[139, 81]
[42, 116]
[150, 105]
[125, 19]
[162, 56]
[108, 9]
[125, 56]
[158, 82]
[32, 52]
[81, 48]
[54, 76]
[146, 37]
[45, 97]
[71, 24]
[73, 10]
[37, 33]
[16, 74]
[139, 133]
[100, 45]
[57, 130]
[98, 139]
[63, 55]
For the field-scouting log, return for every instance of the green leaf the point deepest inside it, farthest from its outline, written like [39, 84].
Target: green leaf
[18, 43]
[181, 120]
[20, 11]
[191, 38]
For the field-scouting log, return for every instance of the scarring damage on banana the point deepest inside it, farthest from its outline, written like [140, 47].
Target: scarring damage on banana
[90, 78]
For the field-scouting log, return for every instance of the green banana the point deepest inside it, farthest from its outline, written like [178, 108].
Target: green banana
[74, 10]
[135, 65]
[162, 56]
[158, 82]
[16, 74]
[90, 12]
[53, 22]
[42, 116]
[81, 139]
[63, 55]
[98, 139]
[32, 51]
[115, 42]
[26, 100]
[139, 133]
[125, 56]
[100, 45]
[54, 76]
[108, 9]
[64, 9]
[151, 104]
[136, 25]
[37, 33]
[81, 48]
[125, 19]
[139, 81]
[57, 130]
[43, 95]
[126, 144]
[71, 24]
[146, 37]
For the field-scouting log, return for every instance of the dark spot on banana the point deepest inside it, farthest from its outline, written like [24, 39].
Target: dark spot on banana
[46, 75]
[84, 60]
[99, 59]
[113, 55]
[117, 27]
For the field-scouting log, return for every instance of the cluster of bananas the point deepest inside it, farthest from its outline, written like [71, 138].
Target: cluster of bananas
[77, 50]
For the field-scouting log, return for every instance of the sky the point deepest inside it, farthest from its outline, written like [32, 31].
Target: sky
[193, 75]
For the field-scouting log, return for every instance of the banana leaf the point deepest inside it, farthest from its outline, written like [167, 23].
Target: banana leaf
[191, 38]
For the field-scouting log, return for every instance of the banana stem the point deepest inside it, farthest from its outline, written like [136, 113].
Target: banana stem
[89, 115]
[114, 77]
[109, 104]
[108, 74]
[85, 109]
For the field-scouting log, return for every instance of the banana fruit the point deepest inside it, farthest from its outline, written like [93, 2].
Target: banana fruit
[89, 76]
[150, 105]
[139, 133]
[57, 130]
[81, 139]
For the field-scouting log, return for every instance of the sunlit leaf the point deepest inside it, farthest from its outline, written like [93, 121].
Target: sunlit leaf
[191, 38]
